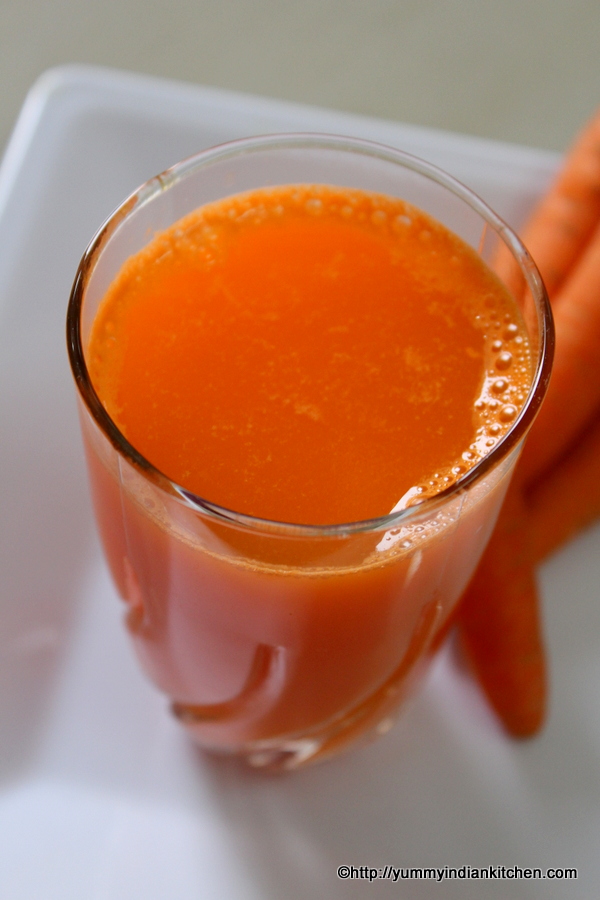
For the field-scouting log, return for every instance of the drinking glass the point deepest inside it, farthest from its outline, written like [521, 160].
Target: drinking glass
[284, 642]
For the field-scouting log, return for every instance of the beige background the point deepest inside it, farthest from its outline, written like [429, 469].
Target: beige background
[526, 71]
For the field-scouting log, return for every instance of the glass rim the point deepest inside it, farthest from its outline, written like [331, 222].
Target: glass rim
[172, 176]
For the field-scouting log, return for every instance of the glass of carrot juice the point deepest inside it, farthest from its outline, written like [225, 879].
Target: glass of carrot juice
[305, 366]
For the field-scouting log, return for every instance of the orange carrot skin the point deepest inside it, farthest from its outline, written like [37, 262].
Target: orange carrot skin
[500, 618]
[567, 500]
[556, 490]
[501, 627]
[563, 222]
[574, 392]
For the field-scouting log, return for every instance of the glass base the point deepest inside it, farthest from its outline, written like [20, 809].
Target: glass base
[370, 719]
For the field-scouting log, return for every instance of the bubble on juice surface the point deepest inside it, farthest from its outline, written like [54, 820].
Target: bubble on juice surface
[507, 382]
[402, 222]
[314, 206]
[508, 413]
[504, 360]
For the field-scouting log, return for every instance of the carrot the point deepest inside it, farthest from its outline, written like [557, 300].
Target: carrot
[574, 392]
[567, 500]
[556, 488]
[500, 627]
[560, 227]
[500, 612]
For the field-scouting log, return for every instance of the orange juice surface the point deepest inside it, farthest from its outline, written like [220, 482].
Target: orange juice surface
[309, 354]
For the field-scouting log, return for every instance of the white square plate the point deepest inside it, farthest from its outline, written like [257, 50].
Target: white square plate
[101, 795]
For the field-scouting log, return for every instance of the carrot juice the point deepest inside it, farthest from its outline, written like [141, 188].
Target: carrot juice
[304, 376]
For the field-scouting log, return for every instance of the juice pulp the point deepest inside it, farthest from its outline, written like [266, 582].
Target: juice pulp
[311, 355]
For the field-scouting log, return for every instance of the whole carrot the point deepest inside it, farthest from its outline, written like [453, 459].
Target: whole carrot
[556, 488]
